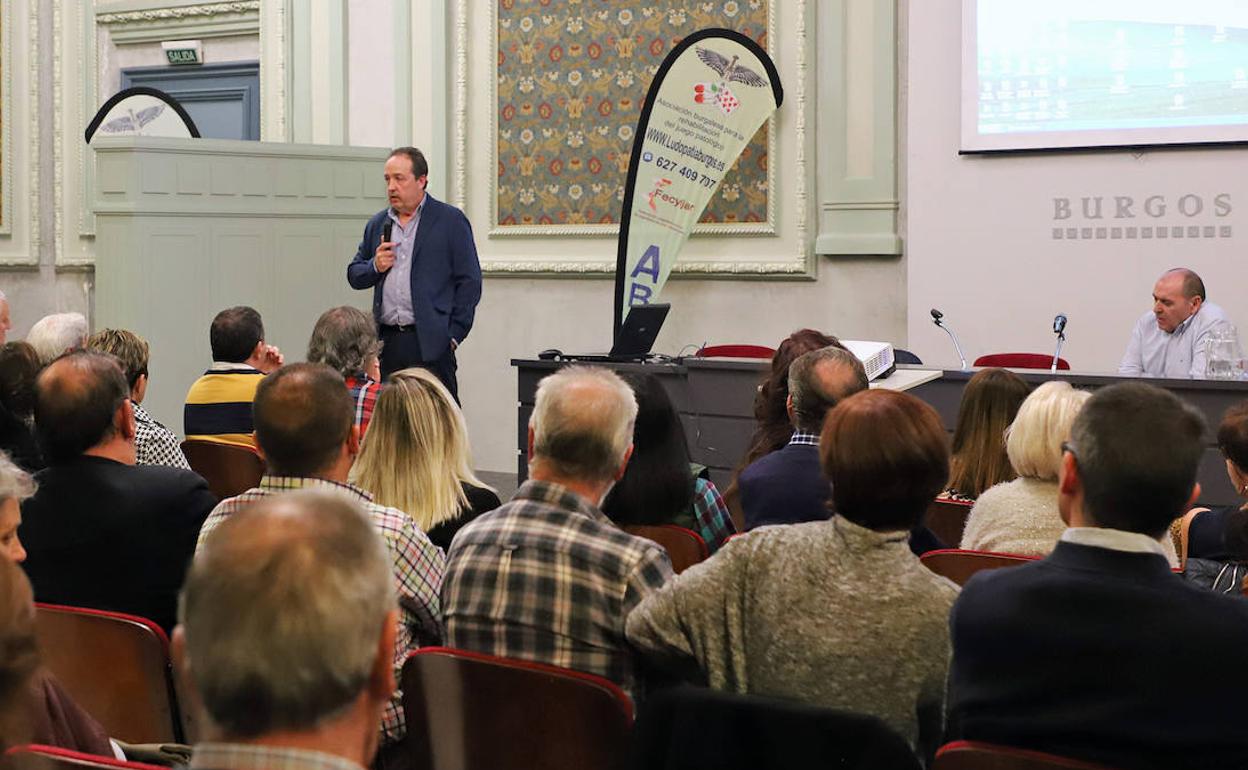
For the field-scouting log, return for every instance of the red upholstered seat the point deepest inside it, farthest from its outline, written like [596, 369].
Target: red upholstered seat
[946, 519]
[973, 755]
[736, 351]
[959, 565]
[471, 711]
[1021, 361]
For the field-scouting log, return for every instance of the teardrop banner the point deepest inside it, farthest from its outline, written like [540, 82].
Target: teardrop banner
[707, 100]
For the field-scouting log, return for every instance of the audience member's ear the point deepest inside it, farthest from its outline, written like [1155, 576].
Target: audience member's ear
[788, 408]
[353, 442]
[529, 445]
[1068, 487]
[382, 683]
[139, 391]
[182, 671]
[124, 420]
[628, 453]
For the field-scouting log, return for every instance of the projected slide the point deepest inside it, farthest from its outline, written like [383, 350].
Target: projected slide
[1090, 73]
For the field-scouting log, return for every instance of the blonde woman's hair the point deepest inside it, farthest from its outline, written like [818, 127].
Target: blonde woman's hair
[416, 454]
[1034, 440]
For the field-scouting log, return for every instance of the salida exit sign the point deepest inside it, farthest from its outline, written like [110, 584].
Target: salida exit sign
[183, 51]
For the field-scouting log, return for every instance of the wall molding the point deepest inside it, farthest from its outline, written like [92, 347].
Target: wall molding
[274, 78]
[859, 198]
[19, 216]
[185, 21]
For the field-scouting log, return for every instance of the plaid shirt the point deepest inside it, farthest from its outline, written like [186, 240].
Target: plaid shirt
[418, 568]
[802, 437]
[154, 444]
[239, 756]
[548, 578]
[363, 398]
[710, 514]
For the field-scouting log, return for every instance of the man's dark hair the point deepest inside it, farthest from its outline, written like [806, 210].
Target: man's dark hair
[234, 334]
[77, 396]
[1137, 448]
[419, 166]
[1193, 286]
[819, 380]
[302, 416]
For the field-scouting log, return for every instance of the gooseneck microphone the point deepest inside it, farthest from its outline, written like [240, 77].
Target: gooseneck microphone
[1059, 328]
[938, 319]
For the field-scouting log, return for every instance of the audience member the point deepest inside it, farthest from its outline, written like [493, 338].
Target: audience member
[55, 335]
[16, 486]
[345, 340]
[305, 432]
[1087, 652]
[418, 459]
[989, 402]
[547, 577]
[787, 486]
[100, 531]
[19, 366]
[218, 405]
[774, 428]
[286, 637]
[1021, 516]
[5, 323]
[659, 486]
[1214, 538]
[833, 613]
[154, 444]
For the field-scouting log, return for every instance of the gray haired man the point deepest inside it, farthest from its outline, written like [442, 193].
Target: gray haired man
[286, 636]
[547, 577]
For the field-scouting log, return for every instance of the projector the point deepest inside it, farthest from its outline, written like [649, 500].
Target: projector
[876, 357]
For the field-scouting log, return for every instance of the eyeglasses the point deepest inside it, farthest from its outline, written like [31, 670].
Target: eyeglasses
[1069, 447]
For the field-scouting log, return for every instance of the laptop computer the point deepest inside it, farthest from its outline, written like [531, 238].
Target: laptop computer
[637, 335]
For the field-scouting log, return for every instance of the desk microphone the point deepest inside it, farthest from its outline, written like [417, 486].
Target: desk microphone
[937, 318]
[1059, 328]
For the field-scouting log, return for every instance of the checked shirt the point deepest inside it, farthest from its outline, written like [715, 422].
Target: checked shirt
[548, 578]
[418, 567]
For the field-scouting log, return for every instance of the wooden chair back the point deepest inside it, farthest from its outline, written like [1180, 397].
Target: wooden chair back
[974, 755]
[228, 469]
[958, 565]
[470, 711]
[946, 519]
[684, 547]
[34, 756]
[116, 667]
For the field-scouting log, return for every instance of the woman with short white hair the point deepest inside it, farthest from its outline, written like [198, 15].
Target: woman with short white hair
[1021, 516]
[15, 486]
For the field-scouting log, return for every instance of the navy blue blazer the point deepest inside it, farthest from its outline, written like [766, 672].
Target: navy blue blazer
[1104, 656]
[784, 487]
[446, 276]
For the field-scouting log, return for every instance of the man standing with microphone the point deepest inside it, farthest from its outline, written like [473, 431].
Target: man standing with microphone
[419, 258]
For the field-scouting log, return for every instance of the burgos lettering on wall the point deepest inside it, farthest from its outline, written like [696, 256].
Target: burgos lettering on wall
[1155, 217]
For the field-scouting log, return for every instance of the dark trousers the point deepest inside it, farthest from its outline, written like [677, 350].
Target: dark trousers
[400, 349]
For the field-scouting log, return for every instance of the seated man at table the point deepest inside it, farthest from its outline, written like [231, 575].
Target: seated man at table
[1169, 340]
[787, 486]
[1097, 651]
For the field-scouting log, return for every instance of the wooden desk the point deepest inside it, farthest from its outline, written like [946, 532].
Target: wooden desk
[715, 397]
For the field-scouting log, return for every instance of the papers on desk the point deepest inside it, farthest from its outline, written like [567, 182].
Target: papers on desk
[905, 379]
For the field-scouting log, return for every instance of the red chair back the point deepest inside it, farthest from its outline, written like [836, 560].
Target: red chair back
[228, 469]
[736, 351]
[958, 565]
[684, 547]
[946, 519]
[1021, 361]
[34, 756]
[973, 755]
[116, 667]
[470, 711]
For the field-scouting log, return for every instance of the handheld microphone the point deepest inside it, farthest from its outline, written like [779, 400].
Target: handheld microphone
[938, 319]
[386, 229]
[1059, 328]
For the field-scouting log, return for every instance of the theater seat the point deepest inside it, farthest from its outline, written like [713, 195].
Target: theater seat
[974, 755]
[1021, 361]
[470, 711]
[228, 469]
[116, 667]
[735, 351]
[959, 565]
[946, 519]
[34, 756]
[684, 547]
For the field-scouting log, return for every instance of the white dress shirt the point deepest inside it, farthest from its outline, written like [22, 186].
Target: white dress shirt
[1179, 354]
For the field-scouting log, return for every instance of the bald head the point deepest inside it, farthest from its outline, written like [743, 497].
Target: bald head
[1190, 284]
[582, 423]
[820, 379]
[283, 614]
[78, 399]
[303, 417]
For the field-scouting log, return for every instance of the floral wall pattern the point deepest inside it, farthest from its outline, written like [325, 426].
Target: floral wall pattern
[570, 79]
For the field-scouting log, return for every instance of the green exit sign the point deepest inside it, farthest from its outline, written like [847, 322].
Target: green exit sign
[178, 52]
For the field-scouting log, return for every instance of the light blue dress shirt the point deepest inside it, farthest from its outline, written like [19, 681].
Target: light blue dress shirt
[396, 292]
[1179, 354]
